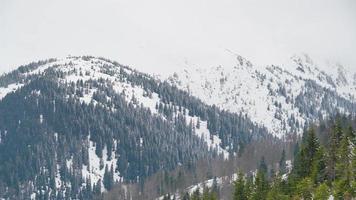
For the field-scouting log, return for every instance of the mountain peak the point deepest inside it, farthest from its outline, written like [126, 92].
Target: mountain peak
[302, 58]
[241, 61]
[303, 63]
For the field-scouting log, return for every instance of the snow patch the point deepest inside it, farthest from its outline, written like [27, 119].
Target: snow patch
[10, 88]
[211, 140]
[96, 169]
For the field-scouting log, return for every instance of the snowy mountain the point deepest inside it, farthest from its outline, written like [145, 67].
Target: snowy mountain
[89, 123]
[281, 98]
[76, 126]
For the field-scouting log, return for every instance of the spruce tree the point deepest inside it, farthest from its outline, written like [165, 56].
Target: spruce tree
[276, 190]
[318, 171]
[249, 187]
[335, 136]
[108, 178]
[342, 167]
[261, 186]
[321, 192]
[239, 188]
[261, 182]
[306, 156]
[341, 189]
[282, 163]
[304, 189]
[312, 146]
[263, 166]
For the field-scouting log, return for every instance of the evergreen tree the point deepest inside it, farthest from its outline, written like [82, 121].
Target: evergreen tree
[318, 171]
[304, 189]
[263, 166]
[276, 190]
[341, 189]
[350, 133]
[261, 182]
[239, 188]
[299, 170]
[342, 185]
[305, 159]
[311, 148]
[198, 124]
[282, 163]
[321, 192]
[342, 167]
[249, 187]
[108, 178]
[336, 134]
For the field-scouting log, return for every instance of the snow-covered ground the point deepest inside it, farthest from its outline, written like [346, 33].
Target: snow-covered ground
[96, 169]
[213, 141]
[265, 93]
[205, 184]
[10, 88]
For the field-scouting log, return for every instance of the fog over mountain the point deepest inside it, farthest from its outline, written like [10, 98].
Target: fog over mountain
[160, 37]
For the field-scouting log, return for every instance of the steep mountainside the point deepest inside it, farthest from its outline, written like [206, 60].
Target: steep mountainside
[281, 98]
[71, 128]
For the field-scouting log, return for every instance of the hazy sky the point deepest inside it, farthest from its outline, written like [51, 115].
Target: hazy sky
[161, 36]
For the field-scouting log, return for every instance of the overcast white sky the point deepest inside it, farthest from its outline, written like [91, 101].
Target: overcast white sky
[160, 36]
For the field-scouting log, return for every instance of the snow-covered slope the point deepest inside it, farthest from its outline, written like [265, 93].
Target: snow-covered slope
[84, 69]
[271, 96]
[78, 70]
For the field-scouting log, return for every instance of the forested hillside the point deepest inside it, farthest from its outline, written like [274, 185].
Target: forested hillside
[73, 128]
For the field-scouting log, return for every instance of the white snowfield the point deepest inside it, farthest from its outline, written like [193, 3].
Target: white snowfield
[240, 86]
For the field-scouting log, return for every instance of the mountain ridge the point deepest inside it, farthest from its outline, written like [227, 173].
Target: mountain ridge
[253, 90]
[98, 123]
